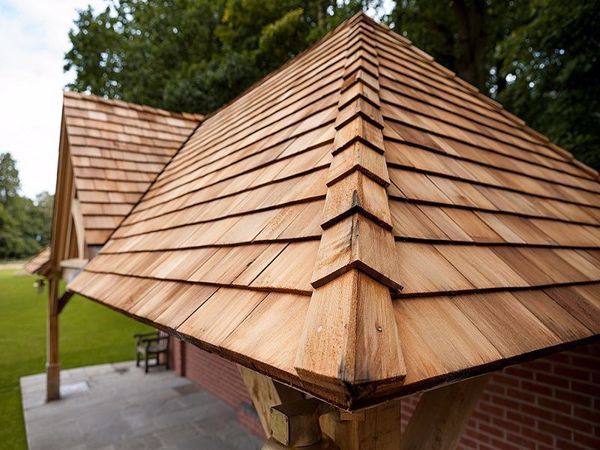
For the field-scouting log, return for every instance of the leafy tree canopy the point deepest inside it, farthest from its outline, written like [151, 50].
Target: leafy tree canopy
[9, 178]
[24, 223]
[553, 66]
[193, 55]
[537, 57]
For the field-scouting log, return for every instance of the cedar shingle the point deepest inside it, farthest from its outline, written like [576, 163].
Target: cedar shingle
[492, 252]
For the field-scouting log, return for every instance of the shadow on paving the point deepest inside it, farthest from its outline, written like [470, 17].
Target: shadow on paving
[117, 406]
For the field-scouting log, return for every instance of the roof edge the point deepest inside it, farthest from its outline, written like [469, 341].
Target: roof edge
[132, 105]
[39, 264]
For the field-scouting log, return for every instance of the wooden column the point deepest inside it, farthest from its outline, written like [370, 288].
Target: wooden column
[372, 429]
[59, 251]
[52, 355]
[442, 415]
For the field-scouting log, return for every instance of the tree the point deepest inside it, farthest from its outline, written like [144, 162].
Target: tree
[9, 178]
[553, 66]
[539, 58]
[461, 34]
[193, 55]
[24, 224]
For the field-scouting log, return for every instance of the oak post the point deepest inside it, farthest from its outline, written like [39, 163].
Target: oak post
[375, 428]
[52, 354]
[442, 415]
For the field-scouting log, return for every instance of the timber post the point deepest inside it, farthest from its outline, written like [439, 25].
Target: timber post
[52, 353]
[376, 428]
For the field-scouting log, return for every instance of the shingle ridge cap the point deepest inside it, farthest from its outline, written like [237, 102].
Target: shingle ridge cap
[351, 281]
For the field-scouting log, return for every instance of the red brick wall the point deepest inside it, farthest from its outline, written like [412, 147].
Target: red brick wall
[550, 403]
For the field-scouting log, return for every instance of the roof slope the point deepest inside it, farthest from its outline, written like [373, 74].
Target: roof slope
[40, 263]
[362, 224]
[117, 149]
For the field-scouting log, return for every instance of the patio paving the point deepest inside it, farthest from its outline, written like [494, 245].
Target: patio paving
[117, 406]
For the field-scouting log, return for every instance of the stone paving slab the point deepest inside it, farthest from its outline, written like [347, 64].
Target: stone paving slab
[117, 406]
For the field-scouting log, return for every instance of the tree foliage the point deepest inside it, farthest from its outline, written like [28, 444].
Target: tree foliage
[537, 57]
[193, 55]
[554, 67]
[24, 223]
[9, 178]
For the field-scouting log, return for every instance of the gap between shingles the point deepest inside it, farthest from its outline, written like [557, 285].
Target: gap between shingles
[485, 210]
[274, 181]
[483, 291]
[491, 166]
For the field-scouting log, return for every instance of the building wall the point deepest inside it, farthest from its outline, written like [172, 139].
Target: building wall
[550, 403]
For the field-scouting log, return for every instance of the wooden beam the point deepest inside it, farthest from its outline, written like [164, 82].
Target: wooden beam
[79, 228]
[64, 193]
[296, 424]
[442, 415]
[375, 428]
[266, 393]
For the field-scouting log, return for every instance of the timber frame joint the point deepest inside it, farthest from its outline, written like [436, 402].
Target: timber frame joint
[296, 424]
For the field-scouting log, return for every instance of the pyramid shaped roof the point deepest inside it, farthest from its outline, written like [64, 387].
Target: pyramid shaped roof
[362, 224]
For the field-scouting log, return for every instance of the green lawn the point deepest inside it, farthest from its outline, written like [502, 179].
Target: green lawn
[89, 334]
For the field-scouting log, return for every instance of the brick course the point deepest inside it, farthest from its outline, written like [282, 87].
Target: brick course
[550, 403]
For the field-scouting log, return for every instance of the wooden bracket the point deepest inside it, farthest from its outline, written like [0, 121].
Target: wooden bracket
[442, 415]
[375, 428]
[296, 424]
[289, 419]
[266, 393]
[309, 424]
[63, 300]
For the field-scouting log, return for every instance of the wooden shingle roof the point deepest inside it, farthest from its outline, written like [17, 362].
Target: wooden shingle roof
[116, 150]
[40, 263]
[362, 224]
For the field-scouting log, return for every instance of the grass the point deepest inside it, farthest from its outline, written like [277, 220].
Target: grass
[89, 334]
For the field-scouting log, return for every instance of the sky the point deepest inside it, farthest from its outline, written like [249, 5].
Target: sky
[33, 40]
